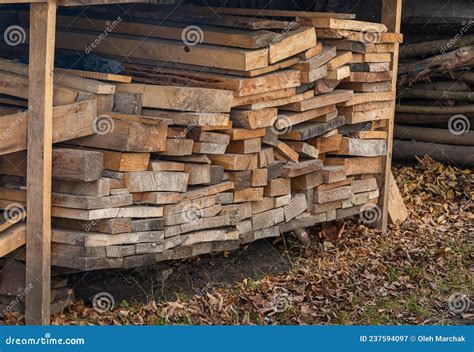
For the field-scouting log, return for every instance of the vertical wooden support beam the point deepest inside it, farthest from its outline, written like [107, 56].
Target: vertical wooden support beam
[40, 123]
[391, 17]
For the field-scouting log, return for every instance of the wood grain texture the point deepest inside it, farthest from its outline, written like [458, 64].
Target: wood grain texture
[40, 139]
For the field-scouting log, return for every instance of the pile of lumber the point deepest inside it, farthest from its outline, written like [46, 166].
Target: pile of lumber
[260, 127]
[435, 111]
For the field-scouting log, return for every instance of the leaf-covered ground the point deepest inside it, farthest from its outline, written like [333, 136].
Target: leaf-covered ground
[405, 276]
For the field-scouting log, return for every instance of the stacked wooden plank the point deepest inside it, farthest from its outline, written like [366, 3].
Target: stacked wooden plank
[352, 142]
[217, 130]
[255, 129]
[77, 102]
[435, 114]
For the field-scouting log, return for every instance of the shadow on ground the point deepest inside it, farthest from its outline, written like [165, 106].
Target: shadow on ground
[167, 281]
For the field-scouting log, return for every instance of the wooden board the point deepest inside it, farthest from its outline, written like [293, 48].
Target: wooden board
[17, 86]
[153, 181]
[369, 76]
[358, 47]
[318, 60]
[352, 25]
[241, 86]
[109, 213]
[77, 165]
[370, 67]
[397, 211]
[332, 195]
[118, 161]
[311, 52]
[271, 12]
[245, 146]
[334, 174]
[191, 16]
[235, 162]
[96, 75]
[358, 166]
[371, 57]
[181, 98]
[292, 43]
[309, 130]
[241, 133]
[353, 117]
[287, 153]
[361, 98]
[12, 238]
[62, 78]
[339, 73]
[301, 168]
[180, 147]
[367, 86]
[69, 121]
[335, 97]
[358, 36]
[362, 147]
[341, 58]
[327, 144]
[279, 101]
[304, 149]
[264, 97]
[286, 63]
[313, 75]
[391, 17]
[71, 201]
[40, 125]
[166, 50]
[307, 181]
[174, 31]
[253, 119]
[298, 205]
[128, 133]
[267, 219]
[189, 118]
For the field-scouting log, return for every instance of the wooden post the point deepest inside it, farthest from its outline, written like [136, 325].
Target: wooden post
[391, 17]
[38, 238]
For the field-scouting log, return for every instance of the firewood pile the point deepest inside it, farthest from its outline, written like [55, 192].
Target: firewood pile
[222, 129]
[435, 108]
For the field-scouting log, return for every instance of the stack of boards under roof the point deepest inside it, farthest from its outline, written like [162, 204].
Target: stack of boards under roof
[232, 129]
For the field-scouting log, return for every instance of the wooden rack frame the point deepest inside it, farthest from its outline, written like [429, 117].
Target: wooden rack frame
[41, 66]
